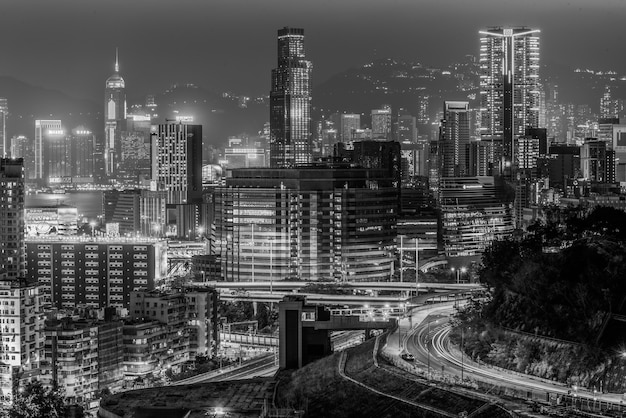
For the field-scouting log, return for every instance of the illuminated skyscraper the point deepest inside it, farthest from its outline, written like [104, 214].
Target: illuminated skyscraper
[381, 123]
[4, 141]
[454, 139]
[290, 102]
[114, 118]
[509, 88]
[45, 131]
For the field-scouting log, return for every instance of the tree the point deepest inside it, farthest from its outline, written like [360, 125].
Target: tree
[37, 402]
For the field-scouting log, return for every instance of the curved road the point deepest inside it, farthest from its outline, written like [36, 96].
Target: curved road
[429, 343]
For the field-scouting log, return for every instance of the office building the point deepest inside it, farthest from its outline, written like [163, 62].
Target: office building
[21, 326]
[454, 139]
[135, 211]
[21, 147]
[346, 125]
[407, 129]
[83, 143]
[381, 123]
[313, 223]
[12, 261]
[509, 87]
[619, 146]
[290, 102]
[4, 141]
[178, 164]
[96, 273]
[597, 161]
[46, 131]
[114, 118]
[474, 213]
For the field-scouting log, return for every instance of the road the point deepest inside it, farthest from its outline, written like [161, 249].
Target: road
[429, 342]
[262, 366]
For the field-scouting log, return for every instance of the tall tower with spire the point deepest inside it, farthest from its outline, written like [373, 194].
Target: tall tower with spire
[114, 118]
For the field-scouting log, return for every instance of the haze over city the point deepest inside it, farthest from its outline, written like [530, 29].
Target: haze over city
[227, 45]
[296, 209]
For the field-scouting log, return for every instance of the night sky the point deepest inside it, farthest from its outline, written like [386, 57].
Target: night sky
[69, 45]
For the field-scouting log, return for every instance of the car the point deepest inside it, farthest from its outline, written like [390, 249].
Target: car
[407, 357]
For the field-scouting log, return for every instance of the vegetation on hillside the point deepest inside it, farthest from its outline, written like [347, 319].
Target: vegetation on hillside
[563, 280]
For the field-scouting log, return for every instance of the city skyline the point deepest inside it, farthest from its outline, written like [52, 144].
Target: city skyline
[79, 39]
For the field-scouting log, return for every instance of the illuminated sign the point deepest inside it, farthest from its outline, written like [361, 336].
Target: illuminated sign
[56, 132]
[184, 118]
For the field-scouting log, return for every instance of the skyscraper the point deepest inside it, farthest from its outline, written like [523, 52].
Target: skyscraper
[114, 118]
[4, 141]
[44, 131]
[12, 257]
[454, 139]
[290, 102]
[381, 123]
[509, 87]
[179, 162]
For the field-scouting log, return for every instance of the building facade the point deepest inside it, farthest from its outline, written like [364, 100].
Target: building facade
[97, 273]
[12, 261]
[178, 165]
[474, 213]
[21, 334]
[312, 223]
[509, 86]
[290, 102]
[454, 139]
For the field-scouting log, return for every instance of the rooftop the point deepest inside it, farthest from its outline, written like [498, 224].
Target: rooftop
[243, 398]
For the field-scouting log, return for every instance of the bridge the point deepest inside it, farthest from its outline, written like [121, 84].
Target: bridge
[365, 286]
[368, 304]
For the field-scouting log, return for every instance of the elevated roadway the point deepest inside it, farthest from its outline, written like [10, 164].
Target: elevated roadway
[365, 286]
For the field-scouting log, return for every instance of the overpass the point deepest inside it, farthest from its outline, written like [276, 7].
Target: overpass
[367, 304]
[373, 286]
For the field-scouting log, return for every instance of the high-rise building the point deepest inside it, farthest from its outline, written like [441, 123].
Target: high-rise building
[12, 261]
[348, 124]
[21, 319]
[45, 131]
[82, 149]
[4, 141]
[474, 213]
[597, 161]
[20, 148]
[509, 86]
[329, 221]
[114, 118]
[381, 123]
[97, 273]
[178, 164]
[290, 102]
[407, 130]
[454, 139]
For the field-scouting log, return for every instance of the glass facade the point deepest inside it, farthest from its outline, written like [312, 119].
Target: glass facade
[290, 102]
[509, 85]
[474, 213]
[310, 223]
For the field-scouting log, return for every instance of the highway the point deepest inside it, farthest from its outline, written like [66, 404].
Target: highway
[429, 342]
[262, 366]
[280, 285]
